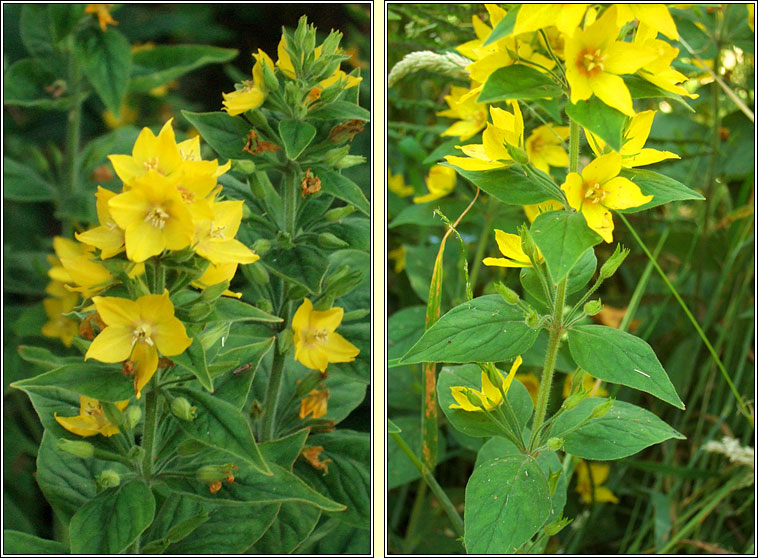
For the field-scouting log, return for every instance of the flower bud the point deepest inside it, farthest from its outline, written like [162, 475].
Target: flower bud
[269, 78]
[592, 307]
[182, 409]
[509, 295]
[265, 305]
[214, 473]
[517, 154]
[257, 187]
[555, 444]
[309, 383]
[577, 379]
[528, 245]
[574, 400]
[532, 319]
[136, 453]
[334, 156]
[112, 413]
[284, 239]
[244, 166]
[355, 315]
[258, 273]
[324, 303]
[108, 479]
[552, 481]
[331, 43]
[132, 416]
[284, 340]
[350, 161]
[557, 526]
[82, 449]
[612, 264]
[261, 246]
[603, 408]
[331, 242]
[334, 215]
[474, 399]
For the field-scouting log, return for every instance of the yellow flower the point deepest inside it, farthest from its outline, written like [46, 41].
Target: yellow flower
[544, 149]
[658, 71]
[150, 152]
[216, 274]
[532, 384]
[59, 326]
[103, 14]
[340, 76]
[79, 268]
[189, 150]
[214, 237]
[656, 16]
[595, 60]
[589, 480]
[108, 237]
[315, 403]
[91, 419]
[153, 215]
[397, 185]
[136, 330]
[440, 183]
[253, 93]
[491, 395]
[566, 17]
[471, 116]
[598, 189]
[633, 150]
[398, 254]
[316, 342]
[506, 129]
[535, 209]
[588, 384]
[510, 247]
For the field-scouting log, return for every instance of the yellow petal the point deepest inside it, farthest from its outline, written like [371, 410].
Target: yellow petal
[602, 169]
[117, 311]
[469, 164]
[113, 344]
[170, 337]
[622, 193]
[143, 241]
[603, 494]
[339, 349]
[81, 426]
[612, 90]
[302, 317]
[648, 156]
[145, 358]
[459, 394]
[110, 241]
[326, 320]
[312, 357]
[599, 220]
[514, 367]
[504, 262]
[574, 189]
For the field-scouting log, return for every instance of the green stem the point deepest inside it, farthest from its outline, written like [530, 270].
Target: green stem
[444, 501]
[554, 342]
[290, 183]
[692, 319]
[573, 146]
[418, 506]
[110, 456]
[148, 435]
[272, 395]
[480, 247]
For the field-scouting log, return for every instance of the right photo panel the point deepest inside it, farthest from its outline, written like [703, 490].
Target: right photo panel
[570, 278]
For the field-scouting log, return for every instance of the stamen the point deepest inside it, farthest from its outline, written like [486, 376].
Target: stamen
[157, 217]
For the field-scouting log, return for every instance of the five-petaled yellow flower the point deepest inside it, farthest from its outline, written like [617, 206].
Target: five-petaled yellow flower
[440, 183]
[253, 93]
[103, 13]
[544, 147]
[472, 116]
[510, 247]
[598, 189]
[91, 419]
[136, 330]
[491, 395]
[595, 61]
[316, 342]
[589, 480]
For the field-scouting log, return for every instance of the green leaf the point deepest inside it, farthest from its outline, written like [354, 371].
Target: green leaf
[392, 428]
[476, 423]
[605, 122]
[304, 265]
[227, 135]
[348, 479]
[625, 430]
[193, 360]
[507, 185]
[234, 385]
[663, 189]
[400, 469]
[160, 64]
[220, 425]
[112, 521]
[66, 481]
[296, 136]
[422, 214]
[34, 28]
[45, 358]
[24, 184]
[103, 382]
[518, 81]
[232, 310]
[343, 188]
[485, 329]
[64, 18]
[24, 86]
[562, 237]
[285, 450]
[341, 110]
[507, 501]
[250, 488]
[291, 527]
[17, 542]
[578, 277]
[504, 27]
[621, 358]
[106, 60]
[640, 88]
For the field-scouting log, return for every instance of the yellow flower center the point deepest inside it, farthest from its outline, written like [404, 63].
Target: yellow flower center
[594, 192]
[591, 62]
[188, 196]
[157, 217]
[142, 333]
[94, 410]
[151, 164]
[536, 144]
[217, 231]
[321, 336]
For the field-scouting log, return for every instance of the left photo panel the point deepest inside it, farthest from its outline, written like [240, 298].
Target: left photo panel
[187, 279]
